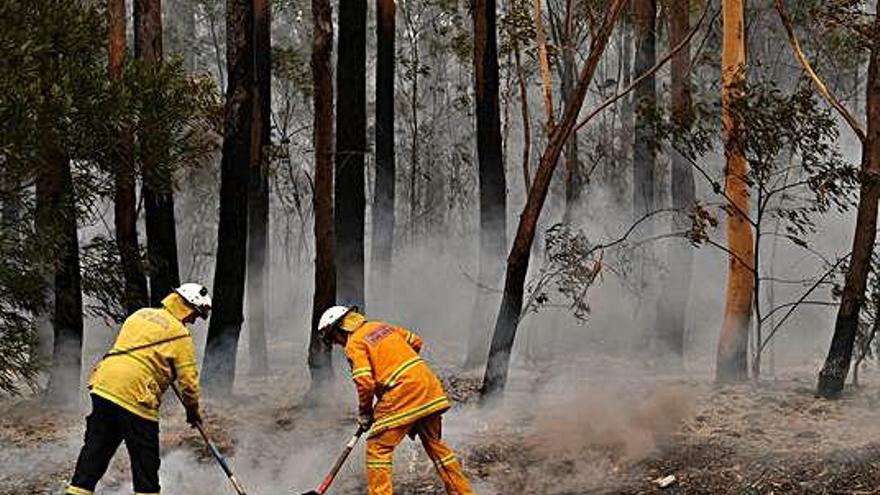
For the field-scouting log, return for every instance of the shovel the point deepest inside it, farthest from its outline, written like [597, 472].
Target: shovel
[214, 451]
[339, 462]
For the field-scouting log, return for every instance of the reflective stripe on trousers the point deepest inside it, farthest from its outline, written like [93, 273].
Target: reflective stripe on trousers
[380, 452]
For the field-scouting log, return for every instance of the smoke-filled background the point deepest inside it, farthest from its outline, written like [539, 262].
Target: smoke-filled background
[673, 310]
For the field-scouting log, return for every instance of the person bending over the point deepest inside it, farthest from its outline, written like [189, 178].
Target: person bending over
[410, 400]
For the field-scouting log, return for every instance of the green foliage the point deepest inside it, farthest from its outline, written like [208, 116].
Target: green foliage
[52, 97]
[573, 263]
[55, 94]
[102, 279]
[21, 295]
[795, 166]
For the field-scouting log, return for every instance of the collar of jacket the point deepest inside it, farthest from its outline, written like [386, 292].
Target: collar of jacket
[175, 305]
[352, 321]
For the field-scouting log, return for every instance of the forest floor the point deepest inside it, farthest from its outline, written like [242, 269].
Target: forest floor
[570, 433]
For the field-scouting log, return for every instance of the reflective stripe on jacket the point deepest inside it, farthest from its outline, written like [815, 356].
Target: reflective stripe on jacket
[152, 347]
[385, 364]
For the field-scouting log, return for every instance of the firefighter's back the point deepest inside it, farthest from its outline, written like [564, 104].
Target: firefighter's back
[138, 368]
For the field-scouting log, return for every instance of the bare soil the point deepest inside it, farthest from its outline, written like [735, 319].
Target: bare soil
[548, 436]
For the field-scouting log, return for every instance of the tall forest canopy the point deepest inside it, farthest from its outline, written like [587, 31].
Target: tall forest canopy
[683, 188]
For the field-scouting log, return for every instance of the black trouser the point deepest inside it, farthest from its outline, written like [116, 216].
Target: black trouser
[107, 426]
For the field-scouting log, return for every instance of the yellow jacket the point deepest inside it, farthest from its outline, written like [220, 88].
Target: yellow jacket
[385, 363]
[152, 348]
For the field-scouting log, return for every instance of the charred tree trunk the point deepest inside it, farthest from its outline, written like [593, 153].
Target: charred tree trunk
[325, 268]
[158, 189]
[493, 187]
[837, 363]
[672, 307]
[125, 200]
[504, 335]
[645, 96]
[351, 143]
[732, 358]
[56, 225]
[383, 207]
[258, 190]
[229, 274]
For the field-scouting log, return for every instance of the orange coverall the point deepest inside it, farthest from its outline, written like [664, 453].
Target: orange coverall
[410, 399]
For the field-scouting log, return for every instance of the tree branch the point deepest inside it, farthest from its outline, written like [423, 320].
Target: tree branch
[793, 306]
[799, 53]
[660, 63]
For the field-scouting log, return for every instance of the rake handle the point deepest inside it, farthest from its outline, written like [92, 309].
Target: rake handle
[215, 452]
[340, 461]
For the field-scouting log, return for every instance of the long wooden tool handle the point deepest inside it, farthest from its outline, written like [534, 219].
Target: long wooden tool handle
[340, 460]
[215, 452]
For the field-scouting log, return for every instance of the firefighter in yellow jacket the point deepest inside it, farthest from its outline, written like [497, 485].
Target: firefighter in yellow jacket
[410, 400]
[153, 349]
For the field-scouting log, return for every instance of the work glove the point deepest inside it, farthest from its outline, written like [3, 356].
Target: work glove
[193, 417]
[365, 420]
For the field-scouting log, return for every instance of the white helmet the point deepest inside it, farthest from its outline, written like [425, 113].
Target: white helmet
[331, 316]
[196, 295]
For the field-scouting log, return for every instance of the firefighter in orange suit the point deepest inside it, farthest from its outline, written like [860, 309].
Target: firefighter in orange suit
[153, 349]
[410, 400]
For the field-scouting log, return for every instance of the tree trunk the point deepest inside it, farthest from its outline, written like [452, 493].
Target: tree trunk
[573, 180]
[181, 35]
[493, 187]
[125, 200]
[495, 377]
[672, 307]
[351, 144]
[325, 269]
[544, 64]
[732, 358]
[383, 207]
[56, 224]
[158, 189]
[526, 120]
[229, 274]
[837, 363]
[645, 96]
[258, 193]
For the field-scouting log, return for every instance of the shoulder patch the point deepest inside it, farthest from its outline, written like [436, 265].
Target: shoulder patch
[375, 336]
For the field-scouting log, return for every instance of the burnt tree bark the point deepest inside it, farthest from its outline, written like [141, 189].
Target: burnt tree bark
[124, 199]
[351, 144]
[56, 225]
[258, 190]
[645, 96]
[383, 207]
[320, 364]
[493, 187]
[504, 334]
[672, 307]
[837, 363]
[229, 274]
[732, 357]
[158, 189]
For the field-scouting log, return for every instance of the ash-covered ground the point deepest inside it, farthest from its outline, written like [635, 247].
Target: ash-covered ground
[586, 427]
